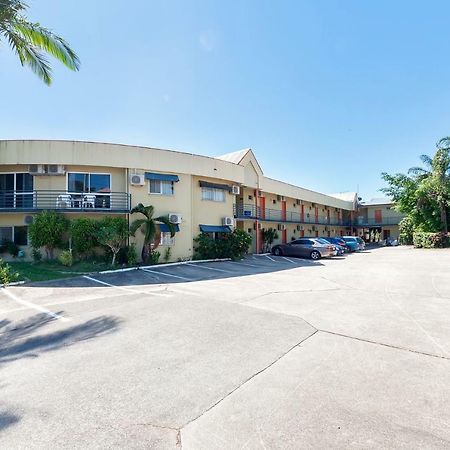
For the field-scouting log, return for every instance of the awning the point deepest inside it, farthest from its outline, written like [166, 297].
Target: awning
[161, 176]
[165, 228]
[215, 229]
[207, 184]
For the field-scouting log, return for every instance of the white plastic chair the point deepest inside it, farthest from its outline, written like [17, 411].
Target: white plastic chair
[64, 201]
[89, 201]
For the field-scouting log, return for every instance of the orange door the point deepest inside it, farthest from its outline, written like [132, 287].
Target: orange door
[328, 215]
[302, 233]
[316, 214]
[262, 206]
[302, 214]
[378, 216]
[283, 210]
[284, 236]
[317, 234]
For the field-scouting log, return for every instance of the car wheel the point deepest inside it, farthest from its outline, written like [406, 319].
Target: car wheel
[277, 252]
[315, 255]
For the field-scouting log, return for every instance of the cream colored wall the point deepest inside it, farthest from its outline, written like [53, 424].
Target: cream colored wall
[386, 211]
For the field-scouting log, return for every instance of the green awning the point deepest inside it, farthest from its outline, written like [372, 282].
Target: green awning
[215, 229]
[165, 228]
[161, 176]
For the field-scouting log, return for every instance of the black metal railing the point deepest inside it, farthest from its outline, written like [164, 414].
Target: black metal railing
[243, 211]
[40, 200]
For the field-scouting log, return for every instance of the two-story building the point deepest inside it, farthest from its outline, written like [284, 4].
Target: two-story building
[199, 193]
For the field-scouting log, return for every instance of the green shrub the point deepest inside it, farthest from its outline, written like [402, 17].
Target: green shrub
[65, 258]
[423, 239]
[232, 245]
[83, 231]
[13, 248]
[154, 257]
[47, 230]
[6, 274]
[406, 227]
[112, 233]
[36, 254]
[132, 255]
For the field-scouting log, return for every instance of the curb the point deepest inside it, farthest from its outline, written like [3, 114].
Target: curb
[181, 263]
[14, 283]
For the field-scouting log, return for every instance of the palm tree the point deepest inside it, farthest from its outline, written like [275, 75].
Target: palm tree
[30, 41]
[148, 226]
[434, 181]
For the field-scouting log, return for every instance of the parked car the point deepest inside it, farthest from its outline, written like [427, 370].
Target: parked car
[391, 242]
[354, 243]
[312, 248]
[339, 243]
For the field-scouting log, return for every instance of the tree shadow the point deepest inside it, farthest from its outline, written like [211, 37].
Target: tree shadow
[19, 339]
[7, 419]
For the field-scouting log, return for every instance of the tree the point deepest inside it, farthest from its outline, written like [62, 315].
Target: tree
[112, 232]
[47, 230]
[148, 226]
[30, 41]
[268, 236]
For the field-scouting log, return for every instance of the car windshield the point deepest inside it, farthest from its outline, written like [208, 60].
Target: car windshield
[349, 239]
[360, 241]
[322, 241]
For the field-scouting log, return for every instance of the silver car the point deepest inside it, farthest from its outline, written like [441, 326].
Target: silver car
[313, 248]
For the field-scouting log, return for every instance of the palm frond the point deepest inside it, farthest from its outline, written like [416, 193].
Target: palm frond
[426, 160]
[165, 220]
[45, 40]
[418, 171]
[135, 225]
[443, 143]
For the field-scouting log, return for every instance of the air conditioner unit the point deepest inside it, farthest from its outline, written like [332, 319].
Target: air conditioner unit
[313, 205]
[55, 169]
[235, 190]
[298, 202]
[175, 218]
[313, 228]
[299, 228]
[36, 169]
[283, 198]
[228, 221]
[281, 227]
[260, 194]
[137, 180]
[27, 220]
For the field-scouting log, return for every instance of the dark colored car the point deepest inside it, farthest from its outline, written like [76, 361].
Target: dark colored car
[338, 242]
[354, 243]
[305, 248]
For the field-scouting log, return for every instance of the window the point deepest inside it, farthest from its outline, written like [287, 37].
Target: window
[214, 195]
[18, 235]
[160, 187]
[166, 238]
[89, 182]
[16, 190]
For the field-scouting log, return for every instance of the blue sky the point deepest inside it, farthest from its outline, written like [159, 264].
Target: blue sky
[327, 93]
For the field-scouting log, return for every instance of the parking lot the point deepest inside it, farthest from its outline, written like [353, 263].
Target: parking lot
[268, 352]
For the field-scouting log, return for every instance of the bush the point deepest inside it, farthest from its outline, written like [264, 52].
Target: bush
[47, 230]
[423, 239]
[83, 231]
[6, 274]
[112, 233]
[154, 257]
[406, 227]
[13, 248]
[132, 255]
[36, 254]
[167, 254]
[233, 245]
[65, 258]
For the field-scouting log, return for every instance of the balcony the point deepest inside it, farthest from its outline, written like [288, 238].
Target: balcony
[35, 201]
[275, 215]
[371, 222]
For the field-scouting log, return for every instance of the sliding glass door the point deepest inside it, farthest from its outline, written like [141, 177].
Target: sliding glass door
[16, 190]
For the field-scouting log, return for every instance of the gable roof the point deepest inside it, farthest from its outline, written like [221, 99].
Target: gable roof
[346, 196]
[235, 157]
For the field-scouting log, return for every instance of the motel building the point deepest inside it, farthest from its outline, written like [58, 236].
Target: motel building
[199, 193]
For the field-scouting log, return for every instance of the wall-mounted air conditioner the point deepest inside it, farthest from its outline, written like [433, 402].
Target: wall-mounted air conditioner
[235, 190]
[281, 227]
[137, 179]
[299, 228]
[175, 218]
[54, 169]
[228, 221]
[36, 169]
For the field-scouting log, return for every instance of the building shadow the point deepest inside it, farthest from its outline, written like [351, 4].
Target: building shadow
[7, 419]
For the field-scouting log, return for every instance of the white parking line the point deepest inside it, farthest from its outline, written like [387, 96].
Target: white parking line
[287, 259]
[33, 306]
[201, 266]
[166, 274]
[129, 290]
[267, 256]
[245, 264]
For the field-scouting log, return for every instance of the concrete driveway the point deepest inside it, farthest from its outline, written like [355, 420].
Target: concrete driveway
[268, 352]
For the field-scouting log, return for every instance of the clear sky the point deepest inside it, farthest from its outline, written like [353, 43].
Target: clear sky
[327, 93]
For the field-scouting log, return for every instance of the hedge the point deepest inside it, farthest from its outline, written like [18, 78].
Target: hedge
[422, 239]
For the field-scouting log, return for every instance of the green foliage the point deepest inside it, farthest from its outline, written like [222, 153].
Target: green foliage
[31, 42]
[65, 258]
[149, 228]
[167, 254]
[268, 236]
[154, 257]
[430, 240]
[36, 254]
[83, 231]
[112, 233]
[47, 230]
[406, 227]
[232, 245]
[6, 273]
[10, 247]
[131, 255]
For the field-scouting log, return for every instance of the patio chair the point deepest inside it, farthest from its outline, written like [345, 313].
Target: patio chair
[89, 201]
[64, 201]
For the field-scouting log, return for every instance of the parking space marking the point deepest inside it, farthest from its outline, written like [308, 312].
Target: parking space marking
[129, 290]
[287, 259]
[209, 268]
[167, 274]
[267, 256]
[34, 306]
[245, 264]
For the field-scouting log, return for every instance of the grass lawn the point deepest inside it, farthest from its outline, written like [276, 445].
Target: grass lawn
[52, 270]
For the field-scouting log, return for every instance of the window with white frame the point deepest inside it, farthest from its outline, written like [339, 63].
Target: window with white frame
[212, 194]
[166, 238]
[16, 234]
[160, 187]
